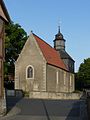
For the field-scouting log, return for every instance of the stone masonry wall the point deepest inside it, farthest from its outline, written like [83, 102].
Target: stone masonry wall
[30, 55]
[59, 80]
[53, 95]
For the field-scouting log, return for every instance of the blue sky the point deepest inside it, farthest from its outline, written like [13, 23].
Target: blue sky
[43, 16]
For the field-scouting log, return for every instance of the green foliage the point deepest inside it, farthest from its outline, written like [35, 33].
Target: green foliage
[83, 75]
[15, 39]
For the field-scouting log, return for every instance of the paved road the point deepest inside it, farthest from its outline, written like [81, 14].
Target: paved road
[34, 109]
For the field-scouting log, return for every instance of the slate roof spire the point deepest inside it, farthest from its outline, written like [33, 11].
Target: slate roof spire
[59, 29]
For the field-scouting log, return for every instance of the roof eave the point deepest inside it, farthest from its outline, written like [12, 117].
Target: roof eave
[68, 58]
[5, 11]
[58, 67]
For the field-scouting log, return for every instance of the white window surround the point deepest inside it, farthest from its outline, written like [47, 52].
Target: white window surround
[57, 77]
[27, 71]
[64, 78]
[70, 80]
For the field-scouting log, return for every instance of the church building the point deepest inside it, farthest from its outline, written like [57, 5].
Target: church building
[43, 71]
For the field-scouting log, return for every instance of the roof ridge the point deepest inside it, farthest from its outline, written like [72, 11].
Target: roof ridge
[43, 40]
[51, 55]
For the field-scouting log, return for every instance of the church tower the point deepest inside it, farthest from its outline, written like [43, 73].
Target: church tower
[59, 42]
[59, 45]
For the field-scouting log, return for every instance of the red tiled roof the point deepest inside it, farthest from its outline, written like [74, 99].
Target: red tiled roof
[51, 55]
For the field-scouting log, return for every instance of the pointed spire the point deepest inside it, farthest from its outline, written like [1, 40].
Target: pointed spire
[59, 35]
[59, 26]
[59, 29]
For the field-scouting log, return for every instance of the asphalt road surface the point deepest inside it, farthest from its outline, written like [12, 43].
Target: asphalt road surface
[36, 109]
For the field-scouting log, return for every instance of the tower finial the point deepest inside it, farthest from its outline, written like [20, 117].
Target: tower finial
[59, 29]
[31, 31]
[59, 26]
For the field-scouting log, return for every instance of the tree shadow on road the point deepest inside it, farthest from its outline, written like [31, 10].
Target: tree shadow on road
[74, 112]
[78, 111]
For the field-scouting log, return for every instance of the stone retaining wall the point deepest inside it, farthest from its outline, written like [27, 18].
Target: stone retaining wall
[13, 93]
[50, 95]
[45, 95]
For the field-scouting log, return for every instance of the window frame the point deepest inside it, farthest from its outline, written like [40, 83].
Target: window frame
[27, 72]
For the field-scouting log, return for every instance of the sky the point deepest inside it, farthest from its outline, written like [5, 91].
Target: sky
[44, 16]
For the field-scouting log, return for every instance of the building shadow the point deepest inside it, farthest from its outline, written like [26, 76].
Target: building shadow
[12, 98]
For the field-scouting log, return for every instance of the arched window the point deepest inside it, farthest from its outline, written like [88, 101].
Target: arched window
[30, 72]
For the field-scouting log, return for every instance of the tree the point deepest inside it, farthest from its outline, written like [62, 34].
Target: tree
[14, 41]
[83, 75]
